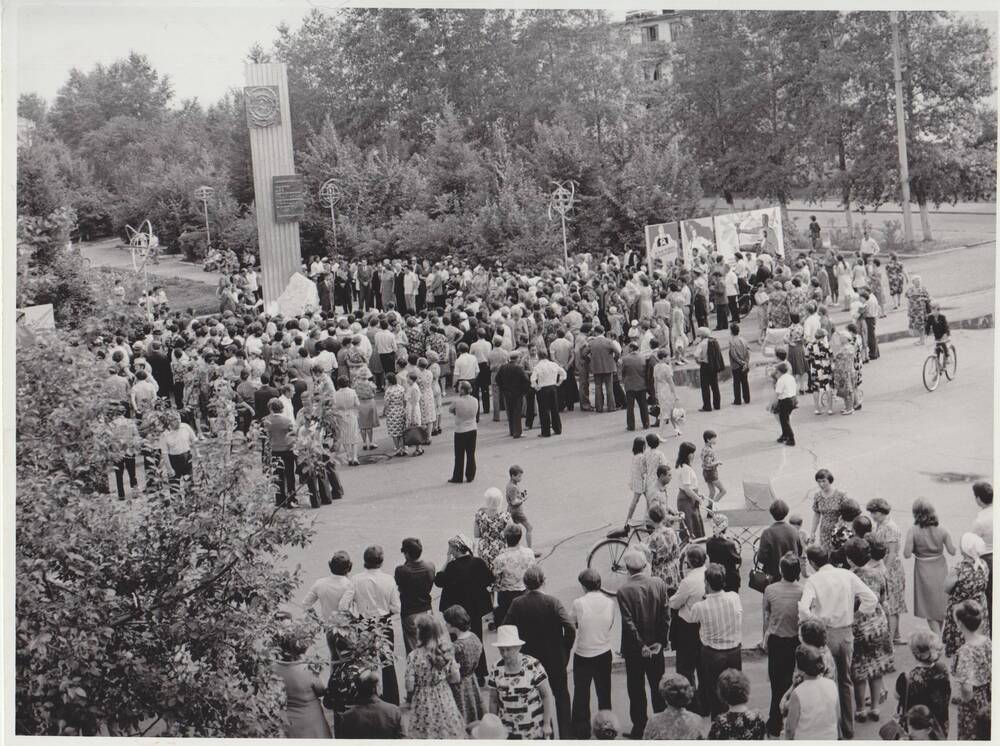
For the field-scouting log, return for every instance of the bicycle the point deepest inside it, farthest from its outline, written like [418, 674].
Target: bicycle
[934, 365]
[607, 555]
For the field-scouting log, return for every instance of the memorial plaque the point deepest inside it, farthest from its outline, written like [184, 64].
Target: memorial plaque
[262, 105]
[289, 193]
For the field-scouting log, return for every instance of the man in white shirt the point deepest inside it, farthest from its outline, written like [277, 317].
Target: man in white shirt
[330, 590]
[829, 595]
[786, 389]
[594, 614]
[374, 594]
[386, 347]
[466, 366]
[545, 380]
[686, 631]
[982, 526]
[732, 281]
[811, 324]
[869, 247]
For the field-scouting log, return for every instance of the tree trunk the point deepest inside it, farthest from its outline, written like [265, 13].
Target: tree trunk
[925, 220]
[845, 194]
[849, 218]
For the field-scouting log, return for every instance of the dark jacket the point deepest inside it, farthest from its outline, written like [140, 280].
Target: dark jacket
[371, 719]
[260, 399]
[159, 364]
[633, 372]
[643, 604]
[511, 379]
[723, 551]
[415, 581]
[547, 630]
[714, 356]
[775, 541]
[603, 357]
[465, 581]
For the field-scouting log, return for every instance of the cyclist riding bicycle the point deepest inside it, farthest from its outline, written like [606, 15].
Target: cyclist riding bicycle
[938, 324]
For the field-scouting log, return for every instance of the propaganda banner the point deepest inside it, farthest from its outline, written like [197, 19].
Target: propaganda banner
[697, 235]
[750, 232]
[663, 244]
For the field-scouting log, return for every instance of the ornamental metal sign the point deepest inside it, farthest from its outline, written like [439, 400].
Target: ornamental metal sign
[289, 195]
[262, 105]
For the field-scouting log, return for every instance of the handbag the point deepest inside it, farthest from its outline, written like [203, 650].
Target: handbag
[758, 580]
[416, 435]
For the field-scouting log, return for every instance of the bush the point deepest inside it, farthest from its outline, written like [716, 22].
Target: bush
[193, 244]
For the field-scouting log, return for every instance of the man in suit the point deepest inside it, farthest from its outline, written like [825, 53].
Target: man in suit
[643, 604]
[581, 365]
[776, 540]
[604, 354]
[634, 381]
[465, 581]
[370, 717]
[548, 633]
[159, 364]
[710, 364]
[262, 396]
[513, 385]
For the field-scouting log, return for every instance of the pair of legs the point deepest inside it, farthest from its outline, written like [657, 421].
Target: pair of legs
[874, 685]
[639, 671]
[465, 456]
[368, 438]
[586, 670]
[521, 519]
[716, 490]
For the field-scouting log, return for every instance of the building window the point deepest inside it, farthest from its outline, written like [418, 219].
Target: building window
[677, 30]
[658, 71]
[649, 33]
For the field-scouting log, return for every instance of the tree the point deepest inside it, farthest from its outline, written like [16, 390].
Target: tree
[33, 107]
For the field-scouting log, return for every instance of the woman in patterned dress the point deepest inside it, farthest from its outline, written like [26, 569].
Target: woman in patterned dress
[364, 387]
[425, 380]
[826, 503]
[777, 309]
[845, 374]
[876, 285]
[346, 408]
[468, 648]
[795, 340]
[968, 579]
[526, 706]
[889, 534]
[820, 363]
[414, 410]
[928, 682]
[394, 412]
[918, 303]
[872, 657]
[972, 674]
[430, 668]
[488, 526]
[897, 278]
[435, 368]
[663, 549]
[637, 475]
[738, 723]
[843, 532]
[797, 296]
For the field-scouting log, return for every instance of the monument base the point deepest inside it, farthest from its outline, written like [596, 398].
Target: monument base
[300, 295]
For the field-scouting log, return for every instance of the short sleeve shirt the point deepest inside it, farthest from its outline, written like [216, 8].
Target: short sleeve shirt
[521, 710]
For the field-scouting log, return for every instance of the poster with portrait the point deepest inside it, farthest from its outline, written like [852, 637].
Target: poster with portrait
[750, 232]
[697, 235]
[663, 244]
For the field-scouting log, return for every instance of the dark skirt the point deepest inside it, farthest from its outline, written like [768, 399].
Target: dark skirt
[797, 359]
[692, 516]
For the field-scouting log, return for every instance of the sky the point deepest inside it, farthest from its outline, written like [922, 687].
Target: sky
[201, 47]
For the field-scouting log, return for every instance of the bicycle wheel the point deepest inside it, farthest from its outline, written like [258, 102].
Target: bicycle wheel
[932, 373]
[607, 558]
[951, 365]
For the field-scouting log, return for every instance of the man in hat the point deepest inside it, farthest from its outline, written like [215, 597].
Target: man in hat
[642, 601]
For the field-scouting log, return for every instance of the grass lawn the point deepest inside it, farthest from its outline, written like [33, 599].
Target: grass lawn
[184, 294]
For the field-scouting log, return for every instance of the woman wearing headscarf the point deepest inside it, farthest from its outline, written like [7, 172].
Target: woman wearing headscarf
[918, 306]
[968, 579]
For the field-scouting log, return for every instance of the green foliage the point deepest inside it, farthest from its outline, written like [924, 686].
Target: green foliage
[154, 613]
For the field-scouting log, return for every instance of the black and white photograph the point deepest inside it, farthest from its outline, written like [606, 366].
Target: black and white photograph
[482, 371]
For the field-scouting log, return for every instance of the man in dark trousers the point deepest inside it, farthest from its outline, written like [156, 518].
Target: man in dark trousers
[710, 364]
[466, 580]
[634, 381]
[514, 385]
[643, 604]
[548, 633]
[739, 363]
[604, 354]
[262, 396]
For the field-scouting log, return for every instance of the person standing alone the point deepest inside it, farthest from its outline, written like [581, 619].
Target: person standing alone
[710, 364]
[634, 382]
[465, 409]
[786, 389]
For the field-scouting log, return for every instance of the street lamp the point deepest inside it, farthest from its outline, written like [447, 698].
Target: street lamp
[205, 193]
[329, 196]
[561, 201]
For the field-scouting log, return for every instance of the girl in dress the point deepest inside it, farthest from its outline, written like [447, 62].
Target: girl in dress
[430, 669]
[394, 412]
[663, 385]
[795, 339]
[637, 475]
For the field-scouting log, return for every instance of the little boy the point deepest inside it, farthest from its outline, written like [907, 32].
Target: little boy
[710, 468]
[516, 496]
[795, 520]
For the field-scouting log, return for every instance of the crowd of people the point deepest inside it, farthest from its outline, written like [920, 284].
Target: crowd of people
[388, 345]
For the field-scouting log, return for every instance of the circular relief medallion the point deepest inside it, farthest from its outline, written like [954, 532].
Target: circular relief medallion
[262, 105]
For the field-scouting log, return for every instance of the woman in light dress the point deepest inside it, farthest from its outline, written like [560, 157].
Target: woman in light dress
[414, 415]
[425, 380]
[663, 384]
[435, 369]
[346, 408]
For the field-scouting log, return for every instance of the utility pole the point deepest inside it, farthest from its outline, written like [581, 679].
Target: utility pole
[904, 169]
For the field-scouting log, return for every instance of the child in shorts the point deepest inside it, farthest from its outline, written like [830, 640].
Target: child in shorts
[710, 468]
[516, 495]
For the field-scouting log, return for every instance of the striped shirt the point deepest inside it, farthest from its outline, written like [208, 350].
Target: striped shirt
[721, 618]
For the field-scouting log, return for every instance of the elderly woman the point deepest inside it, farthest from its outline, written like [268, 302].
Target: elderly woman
[897, 278]
[927, 542]
[873, 656]
[523, 698]
[826, 502]
[820, 362]
[886, 531]
[968, 579]
[663, 548]
[468, 649]
[928, 682]
[368, 420]
[346, 409]
[675, 722]
[845, 368]
[488, 525]
[918, 306]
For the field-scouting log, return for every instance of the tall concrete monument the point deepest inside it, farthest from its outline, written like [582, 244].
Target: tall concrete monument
[278, 192]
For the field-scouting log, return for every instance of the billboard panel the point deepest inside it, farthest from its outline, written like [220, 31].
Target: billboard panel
[662, 244]
[750, 232]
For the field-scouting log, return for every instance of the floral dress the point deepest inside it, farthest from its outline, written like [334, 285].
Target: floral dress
[433, 710]
[520, 702]
[828, 507]
[490, 526]
[894, 271]
[873, 654]
[469, 699]
[412, 399]
[674, 724]
[895, 590]
[796, 301]
[918, 300]
[738, 726]
[820, 365]
[973, 667]
[972, 583]
[637, 474]
[664, 551]
[795, 339]
[845, 381]
[425, 381]
[930, 686]
[395, 411]
[777, 310]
